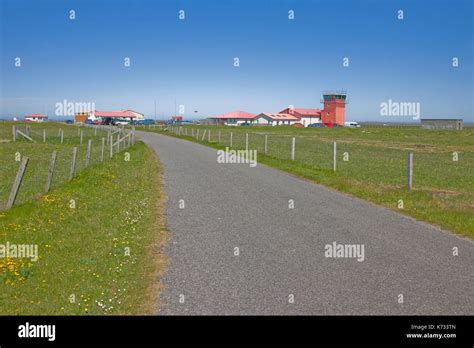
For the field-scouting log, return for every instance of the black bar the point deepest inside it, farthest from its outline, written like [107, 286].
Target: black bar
[288, 330]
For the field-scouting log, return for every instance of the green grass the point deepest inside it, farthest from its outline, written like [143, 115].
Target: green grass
[39, 155]
[376, 169]
[83, 249]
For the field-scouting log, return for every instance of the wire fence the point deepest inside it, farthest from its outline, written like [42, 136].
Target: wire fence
[433, 169]
[38, 160]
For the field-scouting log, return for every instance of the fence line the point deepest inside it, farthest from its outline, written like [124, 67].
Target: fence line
[366, 162]
[37, 174]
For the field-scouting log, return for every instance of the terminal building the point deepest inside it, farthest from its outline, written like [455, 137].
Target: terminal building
[333, 113]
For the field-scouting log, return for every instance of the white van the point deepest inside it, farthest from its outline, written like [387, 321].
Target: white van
[352, 124]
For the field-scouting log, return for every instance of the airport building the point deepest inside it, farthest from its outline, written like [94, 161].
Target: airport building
[333, 113]
[36, 118]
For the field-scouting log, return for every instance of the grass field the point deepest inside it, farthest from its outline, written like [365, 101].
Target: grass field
[371, 164]
[40, 155]
[99, 237]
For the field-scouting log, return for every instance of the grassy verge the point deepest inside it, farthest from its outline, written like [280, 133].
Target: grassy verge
[39, 154]
[443, 192]
[99, 243]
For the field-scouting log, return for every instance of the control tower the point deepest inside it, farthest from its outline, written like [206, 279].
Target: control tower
[334, 107]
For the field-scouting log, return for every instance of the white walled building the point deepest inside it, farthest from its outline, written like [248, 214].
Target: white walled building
[235, 118]
[278, 119]
[35, 118]
[305, 116]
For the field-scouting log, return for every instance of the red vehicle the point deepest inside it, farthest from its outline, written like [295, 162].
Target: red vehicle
[298, 125]
[328, 124]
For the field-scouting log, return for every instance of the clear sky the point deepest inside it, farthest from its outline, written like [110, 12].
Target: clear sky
[282, 62]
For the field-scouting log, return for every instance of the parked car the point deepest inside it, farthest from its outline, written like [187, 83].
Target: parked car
[352, 124]
[120, 123]
[317, 125]
[298, 124]
[145, 122]
[69, 121]
[245, 124]
[329, 124]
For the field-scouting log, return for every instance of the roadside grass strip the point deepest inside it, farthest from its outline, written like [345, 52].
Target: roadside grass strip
[98, 238]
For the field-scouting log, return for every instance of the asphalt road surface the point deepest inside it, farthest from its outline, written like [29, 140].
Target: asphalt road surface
[280, 266]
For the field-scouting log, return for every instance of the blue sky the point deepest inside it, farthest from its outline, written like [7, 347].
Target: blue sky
[282, 62]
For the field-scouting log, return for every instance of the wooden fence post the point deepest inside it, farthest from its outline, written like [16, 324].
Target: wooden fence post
[14, 132]
[62, 136]
[293, 145]
[204, 134]
[88, 153]
[24, 135]
[334, 157]
[73, 163]
[230, 139]
[118, 142]
[81, 136]
[44, 135]
[95, 131]
[102, 150]
[209, 136]
[50, 172]
[410, 171]
[219, 137]
[111, 143]
[246, 141]
[266, 143]
[17, 182]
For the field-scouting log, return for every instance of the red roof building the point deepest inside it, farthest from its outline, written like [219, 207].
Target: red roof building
[35, 118]
[280, 116]
[305, 116]
[276, 119]
[333, 113]
[235, 118]
[301, 112]
[241, 115]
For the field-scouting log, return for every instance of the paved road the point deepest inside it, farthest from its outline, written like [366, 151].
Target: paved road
[282, 250]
